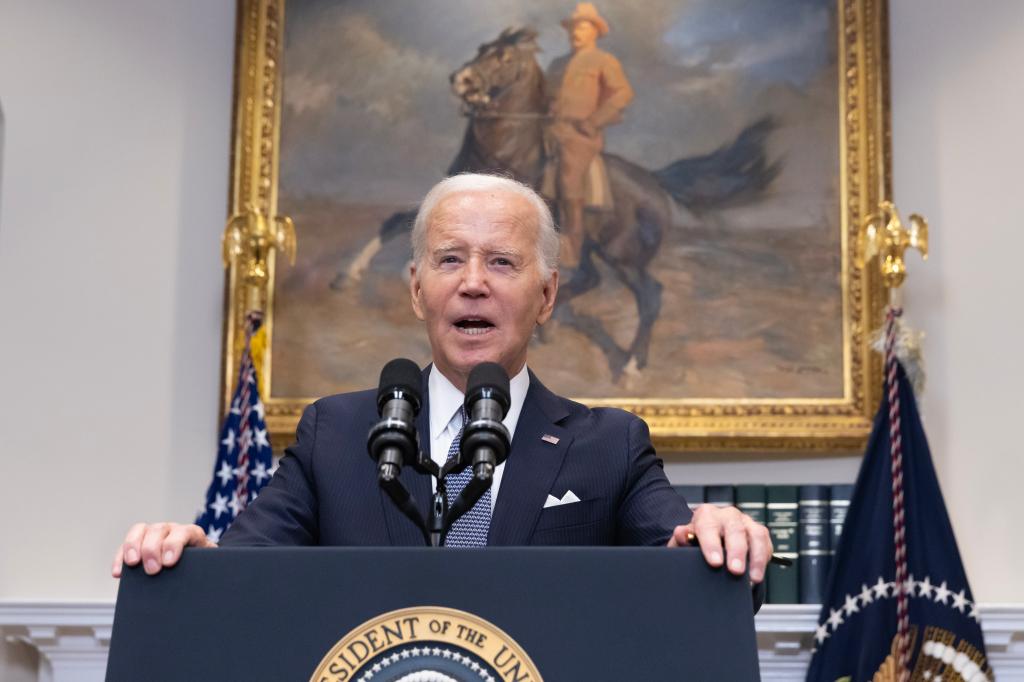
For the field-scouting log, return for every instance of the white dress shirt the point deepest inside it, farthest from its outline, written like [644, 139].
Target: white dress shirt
[445, 421]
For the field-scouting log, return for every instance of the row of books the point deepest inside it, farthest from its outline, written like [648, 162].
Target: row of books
[805, 522]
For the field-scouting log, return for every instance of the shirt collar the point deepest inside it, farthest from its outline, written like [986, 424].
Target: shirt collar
[445, 400]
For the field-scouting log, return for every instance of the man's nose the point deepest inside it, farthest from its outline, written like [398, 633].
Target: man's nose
[474, 278]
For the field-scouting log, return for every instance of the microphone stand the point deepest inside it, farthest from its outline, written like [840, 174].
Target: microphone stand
[445, 517]
[404, 501]
[442, 515]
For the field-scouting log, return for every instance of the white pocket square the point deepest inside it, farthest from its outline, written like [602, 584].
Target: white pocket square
[568, 498]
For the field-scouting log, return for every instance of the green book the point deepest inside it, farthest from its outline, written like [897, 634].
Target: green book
[720, 495]
[784, 582]
[693, 494]
[750, 499]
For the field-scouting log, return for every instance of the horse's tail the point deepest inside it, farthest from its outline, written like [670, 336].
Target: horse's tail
[734, 173]
[397, 224]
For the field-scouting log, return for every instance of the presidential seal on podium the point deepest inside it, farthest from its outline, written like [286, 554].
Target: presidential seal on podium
[426, 644]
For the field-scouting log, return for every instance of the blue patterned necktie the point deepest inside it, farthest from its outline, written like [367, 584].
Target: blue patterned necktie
[470, 530]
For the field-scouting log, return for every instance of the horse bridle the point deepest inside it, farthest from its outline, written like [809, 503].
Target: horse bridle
[469, 112]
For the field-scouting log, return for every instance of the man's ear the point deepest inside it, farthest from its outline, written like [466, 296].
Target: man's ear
[549, 291]
[415, 290]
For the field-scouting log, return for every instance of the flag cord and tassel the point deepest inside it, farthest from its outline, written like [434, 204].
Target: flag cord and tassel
[892, 388]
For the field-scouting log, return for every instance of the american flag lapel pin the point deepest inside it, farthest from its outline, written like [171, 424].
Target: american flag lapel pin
[548, 438]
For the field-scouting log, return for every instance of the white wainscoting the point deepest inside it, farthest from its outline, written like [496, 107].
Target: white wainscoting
[73, 638]
[784, 640]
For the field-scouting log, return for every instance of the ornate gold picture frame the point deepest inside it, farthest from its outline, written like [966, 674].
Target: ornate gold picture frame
[821, 383]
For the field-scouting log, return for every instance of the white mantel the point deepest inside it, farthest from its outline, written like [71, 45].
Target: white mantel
[73, 638]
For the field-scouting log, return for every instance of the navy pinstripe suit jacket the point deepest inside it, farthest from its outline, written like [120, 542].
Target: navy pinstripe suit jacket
[325, 491]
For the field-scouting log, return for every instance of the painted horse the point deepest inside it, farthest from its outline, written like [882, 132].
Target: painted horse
[503, 95]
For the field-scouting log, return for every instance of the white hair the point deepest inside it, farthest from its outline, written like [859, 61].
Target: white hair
[547, 235]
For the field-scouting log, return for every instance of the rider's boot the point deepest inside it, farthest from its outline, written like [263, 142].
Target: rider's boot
[572, 234]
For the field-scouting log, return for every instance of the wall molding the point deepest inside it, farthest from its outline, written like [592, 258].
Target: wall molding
[73, 638]
[784, 634]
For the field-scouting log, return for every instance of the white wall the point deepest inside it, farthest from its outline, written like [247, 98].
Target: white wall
[115, 190]
[115, 178]
[958, 98]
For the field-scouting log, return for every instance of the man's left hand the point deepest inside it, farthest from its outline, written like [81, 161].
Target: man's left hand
[744, 539]
[587, 128]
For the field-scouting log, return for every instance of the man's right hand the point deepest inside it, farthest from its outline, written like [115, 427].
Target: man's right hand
[157, 545]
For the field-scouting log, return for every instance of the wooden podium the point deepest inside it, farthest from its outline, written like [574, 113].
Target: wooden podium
[410, 615]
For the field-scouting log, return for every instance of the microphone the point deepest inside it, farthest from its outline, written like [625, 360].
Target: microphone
[485, 440]
[393, 442]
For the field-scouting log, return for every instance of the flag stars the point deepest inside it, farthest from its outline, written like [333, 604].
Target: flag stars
[214, 534]
[235, 504]
[259, 472]
[960, 601]
[908, 585]
[225, 474]
[835, 619]
[219, 505]
[229, 441]
[258, 409]
[261, 438]
[865, 595]
[891, 590]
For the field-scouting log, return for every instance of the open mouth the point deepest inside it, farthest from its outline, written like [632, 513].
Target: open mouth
[473, 326]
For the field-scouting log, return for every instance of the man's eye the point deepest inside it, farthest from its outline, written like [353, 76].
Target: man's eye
[502, 262]
[446, 260]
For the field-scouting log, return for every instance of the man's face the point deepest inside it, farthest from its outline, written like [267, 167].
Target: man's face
[583, 34]
[479, 287]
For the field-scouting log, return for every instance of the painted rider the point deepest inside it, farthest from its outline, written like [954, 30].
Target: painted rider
[588, 90]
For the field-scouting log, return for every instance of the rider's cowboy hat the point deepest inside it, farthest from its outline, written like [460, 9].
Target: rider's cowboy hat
[585, 11]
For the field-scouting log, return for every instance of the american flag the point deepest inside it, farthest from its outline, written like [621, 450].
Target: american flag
[244, 458]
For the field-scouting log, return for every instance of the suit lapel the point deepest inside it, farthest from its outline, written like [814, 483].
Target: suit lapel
[401, 530]
[531, 467]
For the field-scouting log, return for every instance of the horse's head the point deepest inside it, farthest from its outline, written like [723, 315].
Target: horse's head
[497, 65]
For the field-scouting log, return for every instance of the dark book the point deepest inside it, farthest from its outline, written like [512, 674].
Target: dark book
[784, 582]
[693, 494]
[750, 499]
[814, 542]
[839, 504]
[720, 495]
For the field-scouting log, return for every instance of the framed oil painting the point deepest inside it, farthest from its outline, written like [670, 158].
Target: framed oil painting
[731, 315]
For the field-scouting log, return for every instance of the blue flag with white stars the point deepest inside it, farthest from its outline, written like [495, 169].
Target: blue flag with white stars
[244, 459]
[898, 605]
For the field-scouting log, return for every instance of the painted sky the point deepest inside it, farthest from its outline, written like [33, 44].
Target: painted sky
[369, 116]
